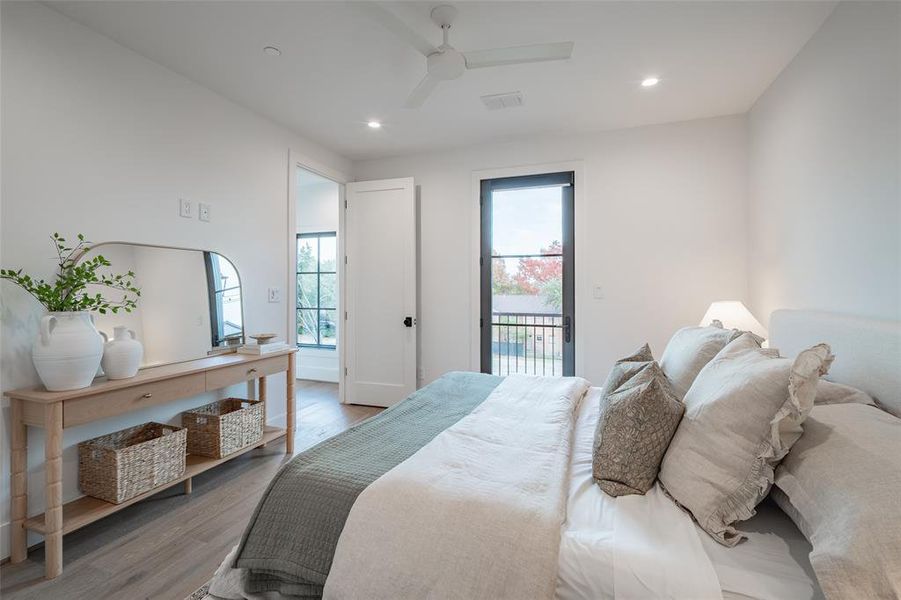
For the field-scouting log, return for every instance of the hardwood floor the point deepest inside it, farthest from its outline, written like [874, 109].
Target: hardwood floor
[169, 545]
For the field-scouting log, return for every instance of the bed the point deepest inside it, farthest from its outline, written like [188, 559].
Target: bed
[481, 490]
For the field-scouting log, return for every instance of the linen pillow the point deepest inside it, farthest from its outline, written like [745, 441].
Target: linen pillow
[636, 422]
[837, 393]
[690, 349]
[840, 484]
[742, 415]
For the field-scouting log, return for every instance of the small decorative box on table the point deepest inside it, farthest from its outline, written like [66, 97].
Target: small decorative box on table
[223, 427]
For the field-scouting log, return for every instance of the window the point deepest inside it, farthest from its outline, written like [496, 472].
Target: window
[317, 289]
[225, 300]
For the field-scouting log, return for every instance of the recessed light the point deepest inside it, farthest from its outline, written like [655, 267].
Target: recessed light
[374, 125]
[272, 51]
[649, 82]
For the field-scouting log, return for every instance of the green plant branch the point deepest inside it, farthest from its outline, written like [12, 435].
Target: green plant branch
[68, 292]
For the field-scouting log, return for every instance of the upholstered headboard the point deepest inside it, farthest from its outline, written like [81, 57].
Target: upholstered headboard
[867, 351]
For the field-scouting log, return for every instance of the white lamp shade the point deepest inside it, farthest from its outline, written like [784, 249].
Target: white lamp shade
[734, 315]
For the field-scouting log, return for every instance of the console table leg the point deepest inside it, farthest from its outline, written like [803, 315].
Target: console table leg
[18, 483]
[53, 494]
[261, 396]
[289, 415]
[189, 485]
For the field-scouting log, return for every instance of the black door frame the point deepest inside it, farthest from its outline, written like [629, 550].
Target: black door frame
[566, 180]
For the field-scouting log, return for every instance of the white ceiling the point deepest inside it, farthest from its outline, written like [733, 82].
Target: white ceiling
[338, 69]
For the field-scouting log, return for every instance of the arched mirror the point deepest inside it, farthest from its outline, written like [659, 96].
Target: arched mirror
[190, 305]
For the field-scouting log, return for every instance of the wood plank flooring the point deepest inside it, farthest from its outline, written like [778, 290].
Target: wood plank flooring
[170, 544]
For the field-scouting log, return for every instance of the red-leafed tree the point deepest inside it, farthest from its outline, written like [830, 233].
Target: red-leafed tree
[534, 273]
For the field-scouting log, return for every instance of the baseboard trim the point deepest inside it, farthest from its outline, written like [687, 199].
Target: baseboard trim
[327, 374]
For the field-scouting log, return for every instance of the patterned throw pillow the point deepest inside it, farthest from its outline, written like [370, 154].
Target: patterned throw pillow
[637, 420]
[626, 368]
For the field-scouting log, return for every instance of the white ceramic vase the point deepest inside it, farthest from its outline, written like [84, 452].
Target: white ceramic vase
[67, 351]
[122, 355]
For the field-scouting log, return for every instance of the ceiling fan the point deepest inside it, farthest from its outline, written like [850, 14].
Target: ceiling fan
[445, 62]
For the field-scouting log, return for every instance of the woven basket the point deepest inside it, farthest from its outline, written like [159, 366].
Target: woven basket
[223, 427]
[118, 466]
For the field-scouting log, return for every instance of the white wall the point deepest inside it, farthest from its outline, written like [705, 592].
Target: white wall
[317, 207]
[660, 225]
[825, 200]
[97, 139]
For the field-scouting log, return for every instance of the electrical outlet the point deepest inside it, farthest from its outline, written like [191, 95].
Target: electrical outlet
[203, 212]
[598, 292]
[420, 373]
[275, 294]
[184, 208]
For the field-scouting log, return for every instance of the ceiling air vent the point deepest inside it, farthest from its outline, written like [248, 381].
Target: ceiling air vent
[499, 101]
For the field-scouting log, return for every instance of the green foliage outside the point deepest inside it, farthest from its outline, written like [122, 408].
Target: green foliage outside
[533, 276]
[308, 321]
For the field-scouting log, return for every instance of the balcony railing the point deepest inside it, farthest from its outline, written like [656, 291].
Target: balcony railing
[526, 343]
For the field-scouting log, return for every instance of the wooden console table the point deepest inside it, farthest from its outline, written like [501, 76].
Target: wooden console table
[55, 411]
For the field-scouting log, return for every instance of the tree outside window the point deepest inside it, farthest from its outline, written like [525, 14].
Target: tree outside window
[317, 290]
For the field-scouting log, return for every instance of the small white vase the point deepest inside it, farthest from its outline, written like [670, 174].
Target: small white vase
[67, 351]
[122, 355]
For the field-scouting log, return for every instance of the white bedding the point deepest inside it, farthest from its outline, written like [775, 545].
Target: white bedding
[476, 512]
[645, 546]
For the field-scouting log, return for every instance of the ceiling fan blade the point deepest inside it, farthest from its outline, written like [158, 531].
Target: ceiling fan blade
[395, 25]
[422, 91]
[518, 54]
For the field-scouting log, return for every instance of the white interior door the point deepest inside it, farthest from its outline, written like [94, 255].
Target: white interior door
[380, 332]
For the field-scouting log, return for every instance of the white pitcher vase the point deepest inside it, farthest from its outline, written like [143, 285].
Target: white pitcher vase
[67, 351]
[122, 354]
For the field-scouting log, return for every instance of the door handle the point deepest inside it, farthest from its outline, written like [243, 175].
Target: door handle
[408, 321]
[567, 329]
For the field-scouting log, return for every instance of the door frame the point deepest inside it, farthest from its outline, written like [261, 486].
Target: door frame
[580, 283]
[296, 159]
[566, 179]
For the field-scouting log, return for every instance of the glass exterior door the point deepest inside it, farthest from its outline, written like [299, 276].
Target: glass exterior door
[527, 275]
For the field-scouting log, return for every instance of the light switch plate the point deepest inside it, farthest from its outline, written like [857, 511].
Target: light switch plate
[184, 208]
[598, 292]
[203, 212]
[275, 294]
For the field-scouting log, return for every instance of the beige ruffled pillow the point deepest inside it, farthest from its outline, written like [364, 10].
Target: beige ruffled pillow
[742, 415]
[690, 349]
[838, 393]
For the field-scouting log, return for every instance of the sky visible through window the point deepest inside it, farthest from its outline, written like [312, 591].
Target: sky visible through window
[527, 221]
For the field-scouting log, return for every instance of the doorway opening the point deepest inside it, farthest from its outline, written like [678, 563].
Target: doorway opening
[526, 273]
[316, 298]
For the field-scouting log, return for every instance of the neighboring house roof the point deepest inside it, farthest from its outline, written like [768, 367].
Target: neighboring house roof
[521, 303]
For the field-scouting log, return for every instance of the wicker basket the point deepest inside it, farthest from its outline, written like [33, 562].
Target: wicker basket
[119, 466]
[223, 427]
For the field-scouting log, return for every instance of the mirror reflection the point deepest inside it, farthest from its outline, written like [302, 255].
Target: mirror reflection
[190, 304]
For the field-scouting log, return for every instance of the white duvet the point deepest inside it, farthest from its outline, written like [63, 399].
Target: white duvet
[476, 512]
[636, 546]
[628, 547]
